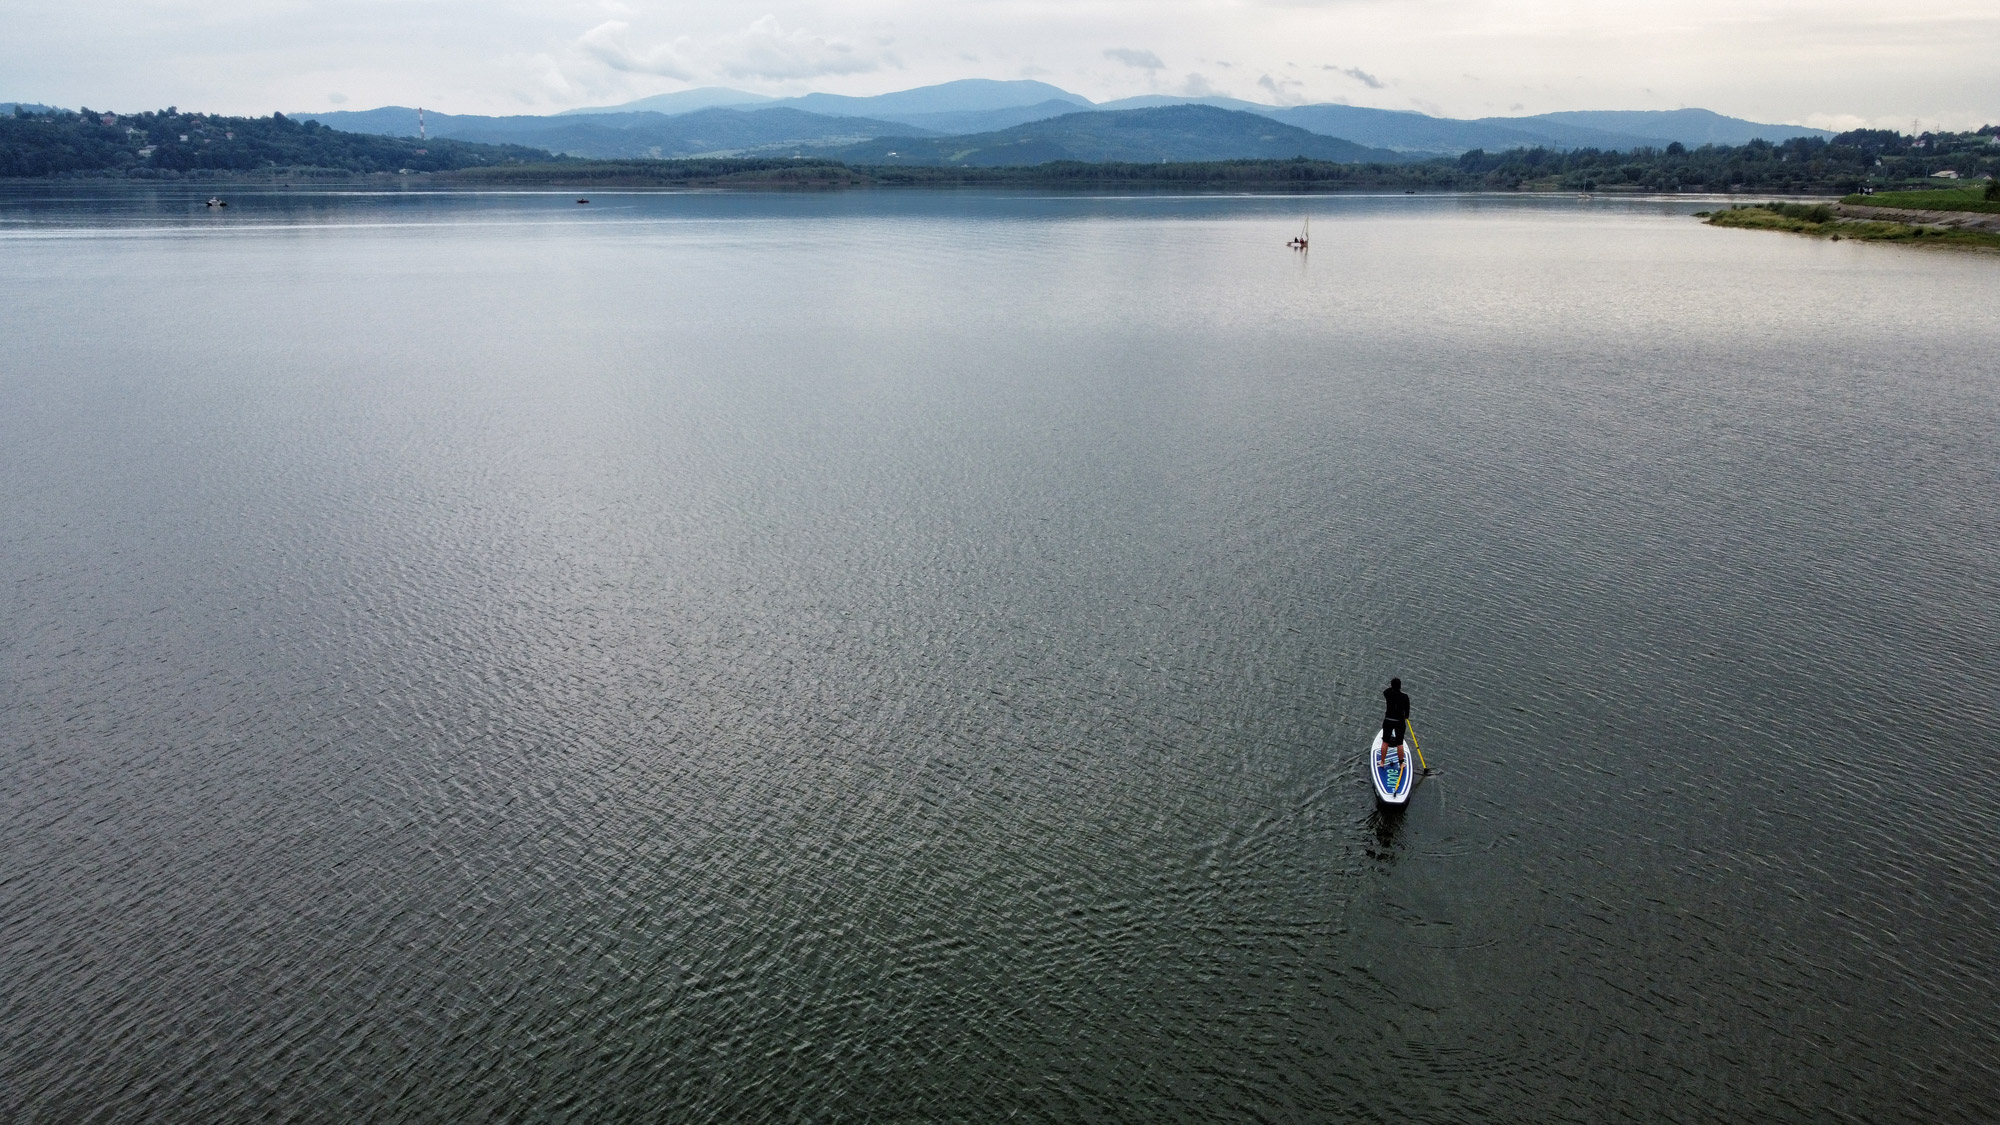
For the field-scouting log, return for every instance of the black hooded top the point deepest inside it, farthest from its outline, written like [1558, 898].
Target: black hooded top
[1398, 704]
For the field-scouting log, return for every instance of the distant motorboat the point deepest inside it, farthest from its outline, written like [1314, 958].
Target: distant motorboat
[583, 201]
[214, 201]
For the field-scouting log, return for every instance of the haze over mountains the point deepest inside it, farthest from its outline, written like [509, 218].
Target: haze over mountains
[1027, 122]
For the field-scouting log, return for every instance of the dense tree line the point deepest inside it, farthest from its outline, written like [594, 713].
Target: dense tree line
[1869, 159]
[1850, 162]
[1298, 174]
[685, 172]
[168, 143]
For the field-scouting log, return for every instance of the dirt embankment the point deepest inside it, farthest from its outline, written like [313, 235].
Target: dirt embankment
[1954, 220]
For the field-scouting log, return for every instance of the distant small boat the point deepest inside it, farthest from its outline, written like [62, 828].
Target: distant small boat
[1389, 768]
[583, 201]
[1305, 236]
[214, 201]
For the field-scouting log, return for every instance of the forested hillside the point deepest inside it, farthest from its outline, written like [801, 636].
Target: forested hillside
[168, 144]
[1170, 134]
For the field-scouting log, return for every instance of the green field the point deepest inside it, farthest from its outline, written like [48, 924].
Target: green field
[1949, 199]
[1819, 221]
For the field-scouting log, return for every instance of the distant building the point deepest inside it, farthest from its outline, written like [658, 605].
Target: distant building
[109, 119]
[1947, 174]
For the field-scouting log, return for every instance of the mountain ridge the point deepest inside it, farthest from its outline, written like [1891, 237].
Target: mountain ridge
[1162, 134]
[717, 130]
[971, 107]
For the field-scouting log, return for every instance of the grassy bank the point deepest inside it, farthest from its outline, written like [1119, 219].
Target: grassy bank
[1819, 221]
[1979, 198]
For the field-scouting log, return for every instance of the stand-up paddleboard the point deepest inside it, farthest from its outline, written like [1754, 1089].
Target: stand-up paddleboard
[1392, 770]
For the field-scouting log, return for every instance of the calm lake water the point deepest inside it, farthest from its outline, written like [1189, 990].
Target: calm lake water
[907, 656]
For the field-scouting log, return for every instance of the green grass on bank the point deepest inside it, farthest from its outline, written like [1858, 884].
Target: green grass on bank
[1977, 198]
[1819, 221]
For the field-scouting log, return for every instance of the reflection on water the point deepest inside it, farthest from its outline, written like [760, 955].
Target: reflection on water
[1386, 821]
[881, 656]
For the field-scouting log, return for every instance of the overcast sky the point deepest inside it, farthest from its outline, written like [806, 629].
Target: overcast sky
[1830, 63]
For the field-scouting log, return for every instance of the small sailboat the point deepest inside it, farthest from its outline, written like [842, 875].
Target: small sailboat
[1305, 236]
[1392, 771]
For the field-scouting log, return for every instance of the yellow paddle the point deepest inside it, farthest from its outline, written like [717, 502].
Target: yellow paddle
[1413, 745]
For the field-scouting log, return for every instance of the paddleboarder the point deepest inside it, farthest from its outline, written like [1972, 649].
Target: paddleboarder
[1395, 713]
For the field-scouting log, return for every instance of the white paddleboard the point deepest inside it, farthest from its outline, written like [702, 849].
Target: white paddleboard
[1392, 770]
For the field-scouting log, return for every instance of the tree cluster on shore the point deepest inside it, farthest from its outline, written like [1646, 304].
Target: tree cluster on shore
[169, 144]
[1851, 162]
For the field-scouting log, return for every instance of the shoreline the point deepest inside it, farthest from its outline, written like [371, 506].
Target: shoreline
[453, 182]
[1951, 220]
[1836, 221]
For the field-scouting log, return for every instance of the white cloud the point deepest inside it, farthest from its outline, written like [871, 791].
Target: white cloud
[764, 50]
[549, 73]
[1769, 60]
[1197, 86]
[1144, 60]
[767, 50]
[606, 43]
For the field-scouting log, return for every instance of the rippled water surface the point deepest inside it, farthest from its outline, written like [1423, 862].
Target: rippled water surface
[906, 657]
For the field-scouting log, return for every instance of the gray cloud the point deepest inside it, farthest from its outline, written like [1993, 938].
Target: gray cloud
[1144, 60]
[1359, 75]
[1284, 91]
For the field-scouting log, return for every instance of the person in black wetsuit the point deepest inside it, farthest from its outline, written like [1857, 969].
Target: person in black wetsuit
[1395, 714]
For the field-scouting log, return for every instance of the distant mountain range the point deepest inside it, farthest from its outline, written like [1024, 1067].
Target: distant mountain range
[1167, 134]
[616, 136]
[967, 95]
[985, 117]
[681, 101]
